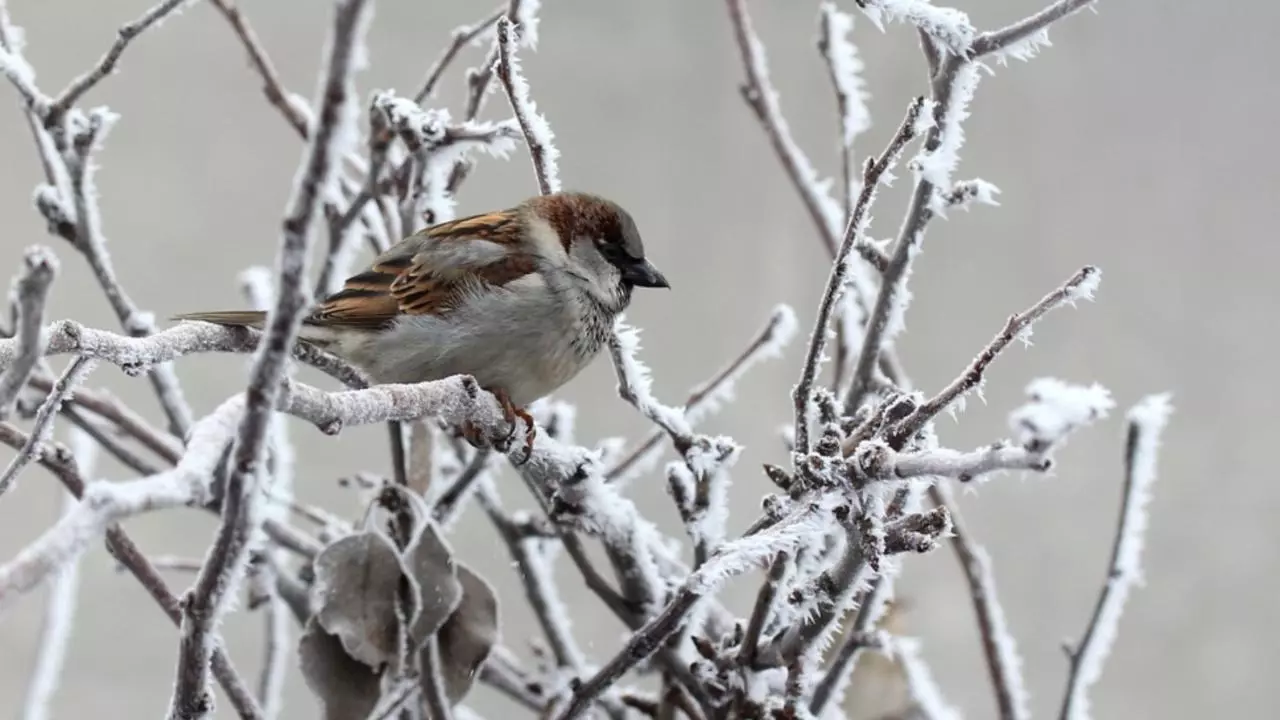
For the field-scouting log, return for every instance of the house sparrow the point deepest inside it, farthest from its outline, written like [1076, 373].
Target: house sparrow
[520, 299]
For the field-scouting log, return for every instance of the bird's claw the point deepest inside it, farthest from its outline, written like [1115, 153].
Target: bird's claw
[475, 435]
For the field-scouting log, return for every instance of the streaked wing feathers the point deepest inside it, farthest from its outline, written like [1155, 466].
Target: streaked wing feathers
[431, 272]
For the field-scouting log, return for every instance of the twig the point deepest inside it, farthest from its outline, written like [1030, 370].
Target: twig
[997, 40]
[998, 645]
[879, 461]
[537, 132]
[1079, 286]
[225, 563]
[479, 79]
[30, 293]
[107, 64]
[461, 37]
[272, 86]
[450, 501]
[110, 439]
[891, 299]
[55, 636]
[42, 428]
[875, 169]
[1147, 421]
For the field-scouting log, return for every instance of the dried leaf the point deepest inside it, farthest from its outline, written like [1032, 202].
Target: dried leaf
[429, 563]
[356, 586]
[348, 688]
[469, 635]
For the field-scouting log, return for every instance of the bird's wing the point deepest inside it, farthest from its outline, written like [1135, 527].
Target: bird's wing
[431, 272]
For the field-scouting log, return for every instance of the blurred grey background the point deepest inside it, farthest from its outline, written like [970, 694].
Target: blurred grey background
[1140, 142]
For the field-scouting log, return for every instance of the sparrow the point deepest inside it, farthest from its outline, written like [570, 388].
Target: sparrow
[520, 299]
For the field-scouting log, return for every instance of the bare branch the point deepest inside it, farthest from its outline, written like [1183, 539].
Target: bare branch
[42, 428]
[30, 293]
[107, 64]
[998, 646]
[762, 97]
[1146, 422]
[272, 86]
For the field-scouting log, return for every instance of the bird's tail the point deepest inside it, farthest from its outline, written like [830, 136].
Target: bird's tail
[315, 334]
[237, 318]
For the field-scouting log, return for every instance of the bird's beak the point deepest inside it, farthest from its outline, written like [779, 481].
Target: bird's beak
[643, 274]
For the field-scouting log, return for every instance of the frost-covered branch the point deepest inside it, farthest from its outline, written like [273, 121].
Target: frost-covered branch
[924, 690]
[537, 132]
[455, 400]
[531, 561]
[1026, 29]
[40, 266]
[1146, 423]
[838, 280]
[858, 637]
[1080, 286]
[136, 355]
